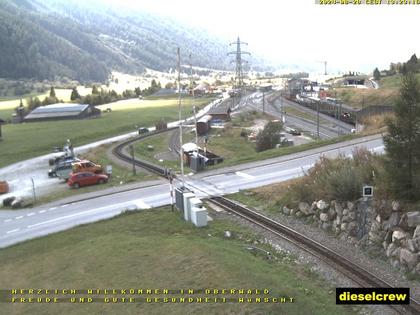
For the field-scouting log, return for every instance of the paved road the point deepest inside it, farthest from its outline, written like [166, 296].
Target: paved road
[19, 225]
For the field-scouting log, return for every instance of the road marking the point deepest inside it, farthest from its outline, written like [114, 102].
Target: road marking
[141, 204]
[42, 211]
[19, 217]
[245, 175]
[31, 214]
[7, 220]
[53, 208]
[12, 231]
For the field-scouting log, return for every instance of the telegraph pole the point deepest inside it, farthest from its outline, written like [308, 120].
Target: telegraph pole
[317, 119]
[239, 75]
[181, 151]
[132, 158]
[192, 93]
[263, 102]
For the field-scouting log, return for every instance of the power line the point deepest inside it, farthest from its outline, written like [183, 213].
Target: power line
[239, 74]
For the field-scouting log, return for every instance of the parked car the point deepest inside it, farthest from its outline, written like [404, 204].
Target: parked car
[62, 170]
[77, 180]
[4, 187]
[86, 166]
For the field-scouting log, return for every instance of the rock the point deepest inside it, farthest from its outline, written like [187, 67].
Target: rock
[286, 210]
[375, 238]
[395, 263]
[398, 235]
[385, 245]
[350, 205]
[305, 208]
[331, 213]
[326, 225]
[378, 218]
[227, 234]
[417, 269]
[417, 232]
[413, 218]
[298, 214]
[391, 250]
[346, 212]
[396, 206]
[351, 228]
[337, 221]
[403, 222]
[408, 258]
[321, 205]
[352, 215]
[388, 237]
[292, 211]
[338, 208]
[371, 212]
[375, 227]
[343, 226]
[414, 244]
[393, 220]
[324, 217]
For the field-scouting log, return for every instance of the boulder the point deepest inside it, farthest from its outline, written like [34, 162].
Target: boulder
[388, 237]
[417, 232]
[352, 215]
[324, 217]
[393, 220]
[321, 205]
[292, 211]
[331, 213]
[337, 221]
[395, 263]
[374, 238]
[378, 218]
[326, 225]
[398, 235]
[417, 269]
[350, 205]
[338, 208]
[408, 258]
[396, 206]
[298, 214]
[375, 227]
[305, 208]
[346, 212]
[413, 218]
[385, 245]
[351, 228]
[390, 251]
[414, 244]
[286, 210]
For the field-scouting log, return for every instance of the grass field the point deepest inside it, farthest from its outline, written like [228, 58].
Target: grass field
[156, 249]
[23, 141]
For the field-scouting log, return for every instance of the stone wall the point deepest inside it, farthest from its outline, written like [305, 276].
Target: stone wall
[378, 224]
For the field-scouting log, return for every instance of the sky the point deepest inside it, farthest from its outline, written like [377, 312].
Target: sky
[300, 32]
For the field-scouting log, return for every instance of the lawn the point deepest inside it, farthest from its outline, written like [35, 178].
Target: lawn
[156, 249]
[23, 141]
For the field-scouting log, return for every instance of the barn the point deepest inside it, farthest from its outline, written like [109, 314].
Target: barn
[221, 112]
[62, 111]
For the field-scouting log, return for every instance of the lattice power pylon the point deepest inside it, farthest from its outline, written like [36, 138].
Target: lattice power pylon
[239, 74]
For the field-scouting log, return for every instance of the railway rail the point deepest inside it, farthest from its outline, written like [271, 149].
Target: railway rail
[350, 269]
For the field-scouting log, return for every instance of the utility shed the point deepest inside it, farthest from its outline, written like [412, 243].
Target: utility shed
[62, 111]
[221, 112]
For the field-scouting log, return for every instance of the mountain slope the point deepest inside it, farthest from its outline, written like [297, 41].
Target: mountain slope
[85, 41]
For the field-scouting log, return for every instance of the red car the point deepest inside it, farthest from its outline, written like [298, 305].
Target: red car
[77, 180]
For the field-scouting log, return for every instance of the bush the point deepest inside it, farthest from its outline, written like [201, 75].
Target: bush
[269, 136]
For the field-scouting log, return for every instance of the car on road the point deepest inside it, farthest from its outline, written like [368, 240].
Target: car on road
[77, 180]
[142, 130]
[4, 187]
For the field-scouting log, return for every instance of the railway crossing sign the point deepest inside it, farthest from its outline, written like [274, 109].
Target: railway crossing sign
[367, 191]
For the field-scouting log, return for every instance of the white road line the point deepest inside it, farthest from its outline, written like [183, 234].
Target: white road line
[79, 213]
[42, 211]
[7, 220]
[19, 217]
[12, 231]
[53, 208]
[245, 175]
[31, 214]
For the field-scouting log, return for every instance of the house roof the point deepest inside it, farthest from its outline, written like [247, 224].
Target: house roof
[223, 108]
[57, 110]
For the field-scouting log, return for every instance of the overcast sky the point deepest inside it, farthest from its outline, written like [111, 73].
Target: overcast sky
[348, 37]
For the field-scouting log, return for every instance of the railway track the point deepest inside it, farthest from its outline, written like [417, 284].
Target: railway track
[358, 274]
[118, 151]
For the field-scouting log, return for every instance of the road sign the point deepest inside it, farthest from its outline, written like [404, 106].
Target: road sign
[367, 191]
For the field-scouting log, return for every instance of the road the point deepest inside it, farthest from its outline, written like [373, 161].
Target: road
[19, 225]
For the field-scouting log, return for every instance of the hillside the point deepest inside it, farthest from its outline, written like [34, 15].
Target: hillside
[85, 41]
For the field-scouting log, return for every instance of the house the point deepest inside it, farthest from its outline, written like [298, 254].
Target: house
[62, 111]
[221, 112]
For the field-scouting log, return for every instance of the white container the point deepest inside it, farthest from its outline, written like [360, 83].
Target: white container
[187, 207]
[199, 216]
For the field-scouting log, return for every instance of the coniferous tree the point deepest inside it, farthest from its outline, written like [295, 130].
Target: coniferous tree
[402, 143]
[52, 92]
[376, 74]
[74, 94]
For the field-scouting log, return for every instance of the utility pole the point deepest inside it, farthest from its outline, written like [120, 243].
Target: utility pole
[317, 119]
[192, 93]
[132, 158]
[33, 190]
[263, 102]
[239, 75]
[181, 150]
